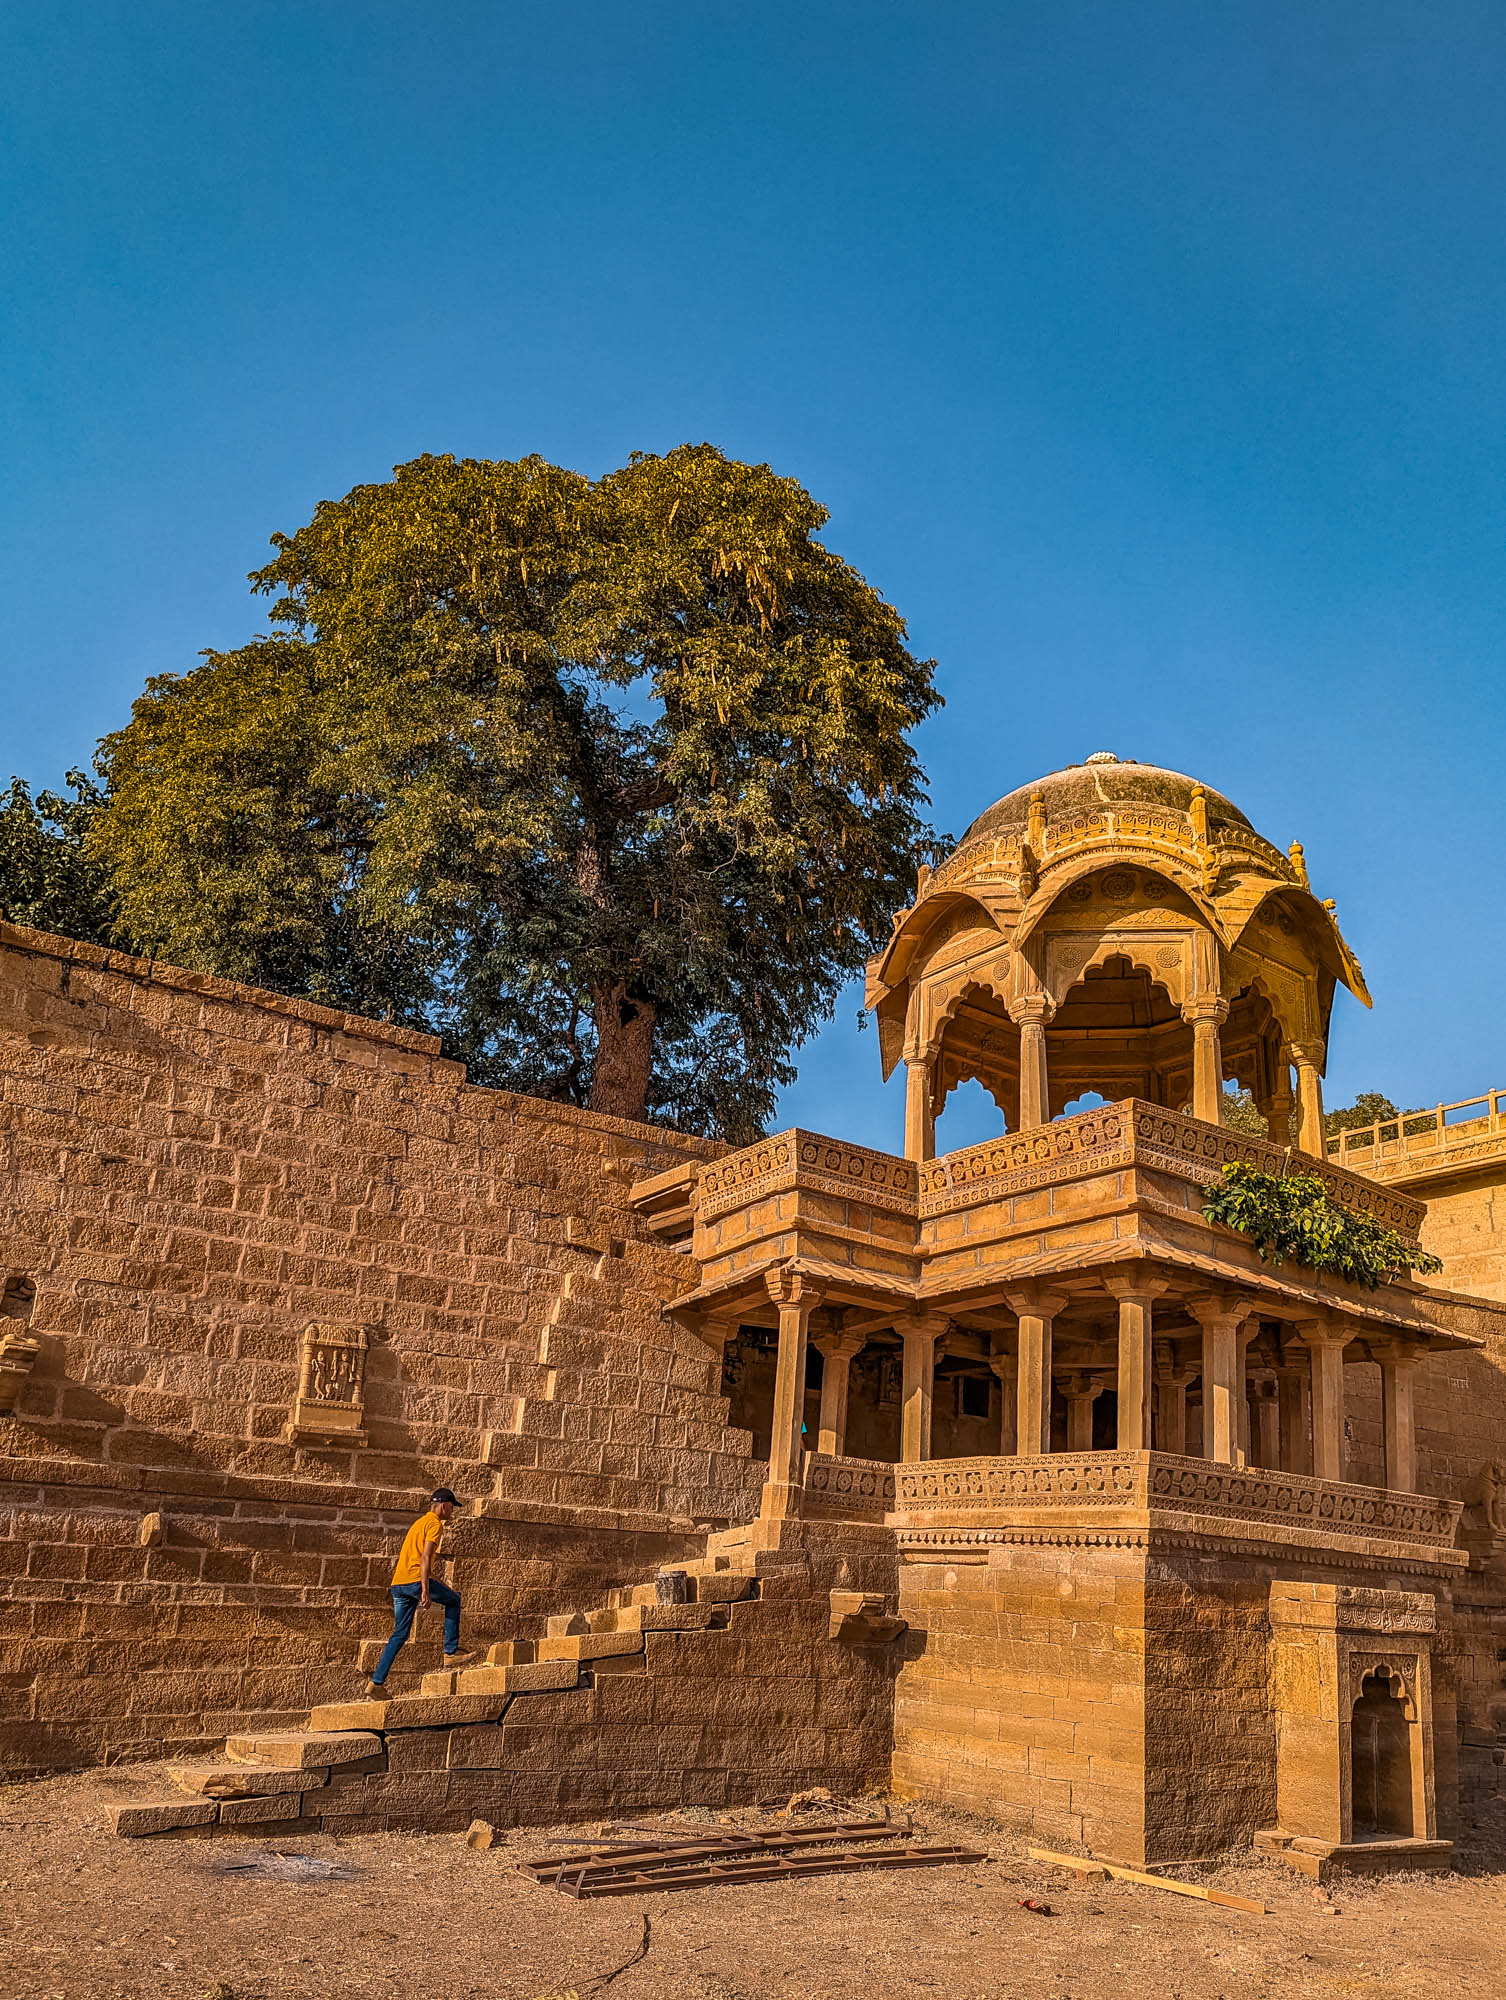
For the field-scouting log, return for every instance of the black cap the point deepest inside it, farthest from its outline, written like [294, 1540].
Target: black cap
[444, 1493]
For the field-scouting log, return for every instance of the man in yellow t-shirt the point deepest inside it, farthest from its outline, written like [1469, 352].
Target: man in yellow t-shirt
[414, 1586]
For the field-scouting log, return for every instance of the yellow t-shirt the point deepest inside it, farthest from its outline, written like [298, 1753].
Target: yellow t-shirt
[427, 1528]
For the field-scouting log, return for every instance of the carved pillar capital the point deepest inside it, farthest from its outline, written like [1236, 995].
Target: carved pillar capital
[788, 1285]
[1032, 1009]
[1209, 1007]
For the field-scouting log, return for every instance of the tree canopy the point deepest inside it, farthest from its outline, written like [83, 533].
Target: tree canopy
[608, 780]
[48, 878]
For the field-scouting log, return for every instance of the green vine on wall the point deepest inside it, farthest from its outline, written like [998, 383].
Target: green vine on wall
[1295, 1216]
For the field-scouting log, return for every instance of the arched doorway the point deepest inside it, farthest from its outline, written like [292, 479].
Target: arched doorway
[1380, 1763]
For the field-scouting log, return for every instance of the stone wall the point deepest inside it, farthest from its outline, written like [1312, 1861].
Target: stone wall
[191, 1175]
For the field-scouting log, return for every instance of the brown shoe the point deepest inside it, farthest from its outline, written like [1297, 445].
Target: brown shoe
[373, 1690]
[459, 1659]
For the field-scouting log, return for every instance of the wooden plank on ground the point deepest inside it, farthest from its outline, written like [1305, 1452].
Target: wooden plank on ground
[546, 1867]
[746, 1867]
[1079, 1864]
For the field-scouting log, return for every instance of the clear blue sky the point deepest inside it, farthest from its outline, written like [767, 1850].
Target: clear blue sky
[1149, 357]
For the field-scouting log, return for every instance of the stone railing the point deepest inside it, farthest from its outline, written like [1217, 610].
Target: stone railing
[1416, 1142]
[1134, 1133]
[1148, 1484]
[806, 1159]
[847, 1489]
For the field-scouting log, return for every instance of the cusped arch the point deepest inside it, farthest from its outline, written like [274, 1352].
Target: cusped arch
[1061, 876]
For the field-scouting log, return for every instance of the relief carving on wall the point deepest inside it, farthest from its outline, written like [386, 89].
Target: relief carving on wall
[1483, 1528]
[18, 1351]
[330, 1407]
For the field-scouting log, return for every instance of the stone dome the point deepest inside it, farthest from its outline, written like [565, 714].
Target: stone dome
[1102, 780]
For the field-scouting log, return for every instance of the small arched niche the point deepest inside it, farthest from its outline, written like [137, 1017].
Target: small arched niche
[1118, 1033]
[1380, 1793]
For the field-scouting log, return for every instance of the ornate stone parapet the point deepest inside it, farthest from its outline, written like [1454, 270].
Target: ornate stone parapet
[1159, 1493]
[847, 1489]
[1134, 1133]
[797, 1159]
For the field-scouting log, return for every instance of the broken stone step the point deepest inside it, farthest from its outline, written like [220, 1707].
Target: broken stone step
[245, 1781]
[564, 1624]
[177, 1815]
[340, 1716]
[590, 1645]
[665, 1617]
[302, 1749]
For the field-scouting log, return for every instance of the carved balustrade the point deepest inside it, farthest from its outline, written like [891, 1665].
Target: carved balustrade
[847, 1489]
[1147, 1489]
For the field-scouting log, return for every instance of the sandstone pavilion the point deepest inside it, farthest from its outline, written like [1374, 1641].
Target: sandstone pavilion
[1003, 1477]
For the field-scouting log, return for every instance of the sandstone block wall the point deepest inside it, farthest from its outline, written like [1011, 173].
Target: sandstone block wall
[191, 1173]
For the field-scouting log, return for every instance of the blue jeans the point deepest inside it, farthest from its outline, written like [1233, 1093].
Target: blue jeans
[405, 1598]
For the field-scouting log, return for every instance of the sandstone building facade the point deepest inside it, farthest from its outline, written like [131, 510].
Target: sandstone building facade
[1005, 1477]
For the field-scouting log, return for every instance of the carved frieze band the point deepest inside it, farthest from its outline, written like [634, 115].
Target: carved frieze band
[1123, 1135]
[868, 1479]
[805, 1159]
[1182, 1485]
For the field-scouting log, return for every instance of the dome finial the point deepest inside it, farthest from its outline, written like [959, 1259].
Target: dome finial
[1101, 757]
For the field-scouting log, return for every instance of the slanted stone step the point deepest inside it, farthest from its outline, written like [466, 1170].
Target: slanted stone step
[177, 1815]
[302, 1749]
[339, 1716]
[665, 1617]
[245, 1781]
[428, 1711]
[531, 1677]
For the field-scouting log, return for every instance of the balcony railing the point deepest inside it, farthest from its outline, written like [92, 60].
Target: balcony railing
[1413, 1140]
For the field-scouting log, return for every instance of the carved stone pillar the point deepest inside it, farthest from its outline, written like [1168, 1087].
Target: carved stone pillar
[1171, 1408]
[1037, 1311]
[1292, 1386]
[1307, 1058]
[920, 1107]
[1081, 1391]
[797, 1298]
[1326, 1350]
[1030, 1013]
[1135, 1296]
[1266, 1442]
[1277, 1109]
[1398, 1369]
[1222, 1321]
[1206, 1016]
[837, 1351]
[919, 1333]
[1002, 1361]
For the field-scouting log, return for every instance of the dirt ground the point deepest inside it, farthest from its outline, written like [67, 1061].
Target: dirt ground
[84, 1915]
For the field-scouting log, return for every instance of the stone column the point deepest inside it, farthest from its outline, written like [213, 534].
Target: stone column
[920, 1107]
[1036, 1311]
[1171, 1409]
[1206, 1016]
[1398, 1369]
[1003, 1364]
[837, 1351]
[1030, 1013]
[919, 1333]
[1292, 1398]
[1135, 1295]
[796, 1298]
[1267, 1452]
[1223, 1374]
[1326, 1350]
[1307, 1056]
[1277, 1109]
[1082, 1392]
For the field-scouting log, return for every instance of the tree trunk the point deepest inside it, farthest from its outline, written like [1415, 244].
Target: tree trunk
[624, 1051]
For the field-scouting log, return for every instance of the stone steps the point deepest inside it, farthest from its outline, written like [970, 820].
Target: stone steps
[295, 1780]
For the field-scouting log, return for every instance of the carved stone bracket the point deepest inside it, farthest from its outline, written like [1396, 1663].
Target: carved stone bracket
[18, 1355]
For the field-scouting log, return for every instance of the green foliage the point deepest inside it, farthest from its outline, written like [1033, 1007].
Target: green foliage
[1238, 1112]
[607, 780]
[1295, 1216]
[48, 878]
[1369, 1106]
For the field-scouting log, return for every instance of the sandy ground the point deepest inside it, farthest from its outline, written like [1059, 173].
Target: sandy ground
[84, 1915]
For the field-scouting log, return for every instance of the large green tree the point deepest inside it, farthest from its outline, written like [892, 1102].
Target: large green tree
[609, 779]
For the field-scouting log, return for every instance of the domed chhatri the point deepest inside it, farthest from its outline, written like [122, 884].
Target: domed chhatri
[1118, 929]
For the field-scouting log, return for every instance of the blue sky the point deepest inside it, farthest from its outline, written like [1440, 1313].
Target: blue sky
[1148, 357]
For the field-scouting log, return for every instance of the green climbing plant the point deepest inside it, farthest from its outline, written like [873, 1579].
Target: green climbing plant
[1295, 1216]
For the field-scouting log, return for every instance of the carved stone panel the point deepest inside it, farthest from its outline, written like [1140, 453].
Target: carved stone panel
[18, 1351]
[330, 1407]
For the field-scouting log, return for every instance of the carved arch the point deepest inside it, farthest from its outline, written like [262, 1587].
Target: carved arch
[1058, 877]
